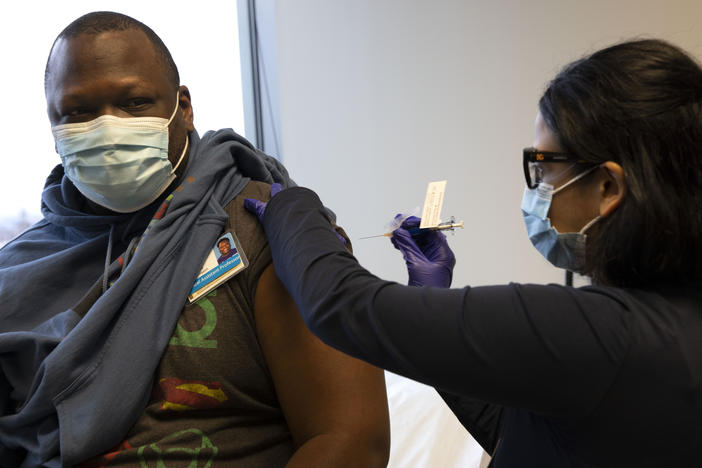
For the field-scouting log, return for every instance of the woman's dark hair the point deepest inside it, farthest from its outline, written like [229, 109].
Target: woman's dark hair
[638, 104]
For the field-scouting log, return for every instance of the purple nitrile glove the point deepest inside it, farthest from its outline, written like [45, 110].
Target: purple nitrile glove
[258, 207]
[429, 259]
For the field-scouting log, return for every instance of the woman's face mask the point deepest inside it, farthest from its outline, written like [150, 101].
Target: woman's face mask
[563, 250]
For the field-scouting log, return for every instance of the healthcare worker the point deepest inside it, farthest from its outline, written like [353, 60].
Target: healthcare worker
[550, 375]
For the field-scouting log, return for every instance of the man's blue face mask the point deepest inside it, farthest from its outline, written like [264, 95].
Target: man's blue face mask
[119, 163]
[563, 250]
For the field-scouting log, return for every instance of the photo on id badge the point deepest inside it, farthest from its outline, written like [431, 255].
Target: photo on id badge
[225, 248]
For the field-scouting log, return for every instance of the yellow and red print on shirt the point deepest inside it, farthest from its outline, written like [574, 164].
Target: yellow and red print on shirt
[181, 395]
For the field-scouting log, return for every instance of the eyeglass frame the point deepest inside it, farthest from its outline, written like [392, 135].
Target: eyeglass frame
[531, 154]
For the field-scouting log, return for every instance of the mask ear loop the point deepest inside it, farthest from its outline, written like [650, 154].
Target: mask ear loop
[568, 273]
[564, 171]
[187, 140]
[175, 109]
[182, 155]
[575, 179]
[589, 225]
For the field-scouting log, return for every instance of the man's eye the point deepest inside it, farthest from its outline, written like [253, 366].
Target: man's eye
[77, 111]
[137, 103]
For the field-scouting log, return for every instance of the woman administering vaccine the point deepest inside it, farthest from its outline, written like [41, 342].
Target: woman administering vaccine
[550, 375]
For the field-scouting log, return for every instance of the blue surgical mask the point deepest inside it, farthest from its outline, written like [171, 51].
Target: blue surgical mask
[119, 163]
[563, 250]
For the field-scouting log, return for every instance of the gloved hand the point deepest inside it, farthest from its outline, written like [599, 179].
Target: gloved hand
[429, 259]
[258, 207]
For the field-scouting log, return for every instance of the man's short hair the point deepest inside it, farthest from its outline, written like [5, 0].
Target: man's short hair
[105, 21]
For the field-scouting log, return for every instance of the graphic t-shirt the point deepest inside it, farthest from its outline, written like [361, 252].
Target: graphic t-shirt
[213, 401]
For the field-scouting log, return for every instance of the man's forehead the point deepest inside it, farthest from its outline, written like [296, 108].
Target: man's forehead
[116, 55]
[87, 46]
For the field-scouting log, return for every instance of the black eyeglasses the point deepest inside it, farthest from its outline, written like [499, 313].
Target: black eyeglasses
[533, 172]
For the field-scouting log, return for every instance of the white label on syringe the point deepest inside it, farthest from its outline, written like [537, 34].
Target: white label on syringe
[431, 214]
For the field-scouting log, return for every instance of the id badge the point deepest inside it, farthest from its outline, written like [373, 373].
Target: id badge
[224, 261]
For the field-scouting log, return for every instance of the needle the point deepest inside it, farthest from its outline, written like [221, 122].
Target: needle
[415, 231]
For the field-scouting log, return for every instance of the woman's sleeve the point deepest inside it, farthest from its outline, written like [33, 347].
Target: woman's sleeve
[535, 347]
[481, 419]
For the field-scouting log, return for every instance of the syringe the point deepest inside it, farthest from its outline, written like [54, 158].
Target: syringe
[449, 225]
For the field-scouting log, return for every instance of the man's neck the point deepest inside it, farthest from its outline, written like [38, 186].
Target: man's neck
[93, 208]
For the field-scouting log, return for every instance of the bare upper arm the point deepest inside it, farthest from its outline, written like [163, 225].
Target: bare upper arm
[321, 390]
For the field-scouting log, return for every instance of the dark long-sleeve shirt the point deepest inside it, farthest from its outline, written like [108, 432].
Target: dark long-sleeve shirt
[591, 376]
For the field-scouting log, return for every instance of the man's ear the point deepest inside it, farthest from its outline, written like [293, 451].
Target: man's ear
[186, 107]
[612, 188]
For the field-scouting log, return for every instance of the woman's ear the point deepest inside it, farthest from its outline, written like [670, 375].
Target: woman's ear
[612, 188]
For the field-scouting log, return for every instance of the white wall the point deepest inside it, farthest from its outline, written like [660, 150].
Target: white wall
[379, 97]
